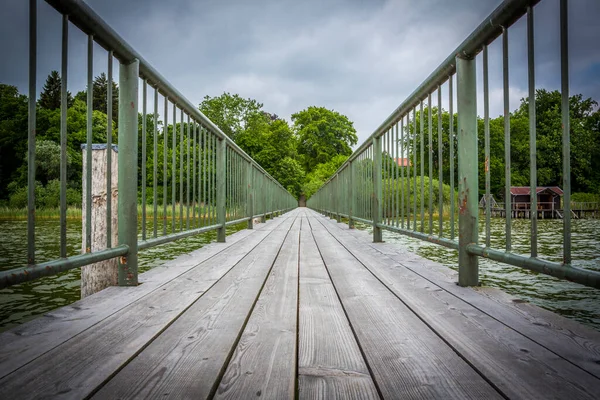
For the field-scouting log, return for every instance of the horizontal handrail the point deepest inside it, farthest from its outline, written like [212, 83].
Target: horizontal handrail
[32, 272]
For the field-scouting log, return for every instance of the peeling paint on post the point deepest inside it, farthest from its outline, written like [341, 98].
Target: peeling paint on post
[468, 265]
[128, 156]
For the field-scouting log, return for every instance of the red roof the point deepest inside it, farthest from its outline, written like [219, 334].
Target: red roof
[525, 190]
[403, 162]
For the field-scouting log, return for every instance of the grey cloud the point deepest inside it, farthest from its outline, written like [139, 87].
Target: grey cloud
[361, 58]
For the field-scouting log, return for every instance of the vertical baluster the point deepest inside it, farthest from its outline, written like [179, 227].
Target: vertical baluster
[397, 195]
[194, 193]
[430, 166]
[144, 94]
[452, 161]
[181, 167]
[566, 131]
[402, 158]
[221, 174]
[440, 166]
[109, 123]
[165, 152]
[188, 183]
[204, 177]
[532, 131]
[415, 168]
[408, 171]
[31, 128]
[507, 195]
[173, 169]
[486, 122]
[89, 115]
[422, 158]
[154, 162]
[63, 140]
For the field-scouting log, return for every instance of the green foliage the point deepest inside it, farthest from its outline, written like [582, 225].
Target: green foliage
[47, 196]
[585, 197]
[232, 113]
[13, 135]
[322, 135]
[100, 96]
[50, 96]
[47, 159]
[585, 145]
[321, 173]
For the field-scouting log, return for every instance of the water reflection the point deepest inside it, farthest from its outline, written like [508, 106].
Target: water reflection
[22, 302]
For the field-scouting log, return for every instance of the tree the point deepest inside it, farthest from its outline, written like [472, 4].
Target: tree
[13, 135]
[232, 113]
[50, 96]
[47, 160]
[322, 134]
[100, 96]
[100, 99]
[317, 177]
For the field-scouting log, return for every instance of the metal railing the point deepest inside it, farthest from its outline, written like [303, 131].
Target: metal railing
[377, 185]
[213, 177]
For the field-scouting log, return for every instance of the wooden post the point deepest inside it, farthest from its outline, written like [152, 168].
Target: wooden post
[100, 275]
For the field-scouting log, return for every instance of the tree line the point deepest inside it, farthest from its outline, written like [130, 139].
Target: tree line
[300, 155]
[584, 140]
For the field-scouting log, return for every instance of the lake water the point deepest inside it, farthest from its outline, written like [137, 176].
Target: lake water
[22, 302]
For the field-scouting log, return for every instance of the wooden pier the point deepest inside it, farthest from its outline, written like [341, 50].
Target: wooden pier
[300, 307]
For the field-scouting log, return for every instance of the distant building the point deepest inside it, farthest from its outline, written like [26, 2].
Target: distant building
[548, 198]
[403, 162]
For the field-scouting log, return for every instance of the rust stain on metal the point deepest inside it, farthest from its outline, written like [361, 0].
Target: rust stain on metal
[487, 164]
[132, 104]
[123, 260]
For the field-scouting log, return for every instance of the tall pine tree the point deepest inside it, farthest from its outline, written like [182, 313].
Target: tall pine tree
[50, 96]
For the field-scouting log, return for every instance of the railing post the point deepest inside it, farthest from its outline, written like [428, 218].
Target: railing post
[468, 264]
[377, 191]
[351, 195]
[263, 205]
[221, 177]
[338, 198]
[128, 156]
[249, 196]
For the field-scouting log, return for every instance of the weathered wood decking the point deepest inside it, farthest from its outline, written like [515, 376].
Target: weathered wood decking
[301, 306]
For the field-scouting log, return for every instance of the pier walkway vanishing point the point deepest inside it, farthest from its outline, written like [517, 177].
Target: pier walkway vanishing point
[300, 306]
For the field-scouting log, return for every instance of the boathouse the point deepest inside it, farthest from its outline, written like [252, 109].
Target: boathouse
[548, 197]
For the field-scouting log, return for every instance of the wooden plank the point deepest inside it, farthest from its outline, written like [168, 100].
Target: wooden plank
[407, 359]
[24, 343]
[568, 339]
[89, 358]
[263, 363]
[330, 364]
[188, 358]
[518, 366]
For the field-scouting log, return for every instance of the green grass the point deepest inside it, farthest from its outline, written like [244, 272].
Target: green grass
[14, 214]
[7, 213]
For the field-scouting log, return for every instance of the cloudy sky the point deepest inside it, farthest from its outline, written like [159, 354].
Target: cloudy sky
[359, 57]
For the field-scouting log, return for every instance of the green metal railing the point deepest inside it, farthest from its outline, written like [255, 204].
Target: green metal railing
[383, 183]
[213, 184]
